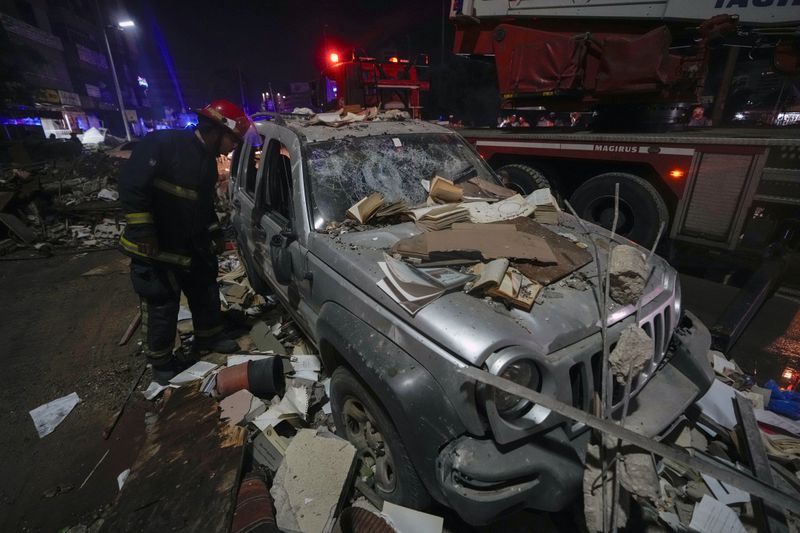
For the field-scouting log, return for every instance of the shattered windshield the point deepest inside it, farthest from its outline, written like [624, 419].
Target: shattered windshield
[343, 171]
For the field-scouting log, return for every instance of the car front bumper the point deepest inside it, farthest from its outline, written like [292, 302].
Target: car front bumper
[482, 480]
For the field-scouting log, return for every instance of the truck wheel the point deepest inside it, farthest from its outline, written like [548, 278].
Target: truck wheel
[641, 208]
[523, 178]
[361, 420]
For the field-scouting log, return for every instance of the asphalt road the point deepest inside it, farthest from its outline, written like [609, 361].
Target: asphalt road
[58, 334]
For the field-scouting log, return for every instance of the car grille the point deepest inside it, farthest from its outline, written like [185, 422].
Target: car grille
[658, 320]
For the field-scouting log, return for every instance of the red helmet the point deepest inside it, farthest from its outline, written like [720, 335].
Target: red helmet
[228, 115]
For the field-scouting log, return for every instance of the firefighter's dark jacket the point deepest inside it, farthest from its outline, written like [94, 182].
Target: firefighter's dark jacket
[167, 189]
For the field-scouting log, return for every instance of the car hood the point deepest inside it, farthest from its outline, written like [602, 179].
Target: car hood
[471, 327]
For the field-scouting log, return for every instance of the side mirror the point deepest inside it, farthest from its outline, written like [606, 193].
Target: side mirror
[280, 256]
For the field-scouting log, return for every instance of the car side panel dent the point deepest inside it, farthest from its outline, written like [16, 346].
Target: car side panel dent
[421, 412]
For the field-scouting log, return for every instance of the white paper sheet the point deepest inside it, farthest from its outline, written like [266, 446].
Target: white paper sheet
[123, 477]
[193, 373]
[721, 364]
[239, 359]
[405, 520]
[711, 516]
[778, 421]
[184, 314]
[47, 417]
[718, 404]
[305, 362]
[153, 390]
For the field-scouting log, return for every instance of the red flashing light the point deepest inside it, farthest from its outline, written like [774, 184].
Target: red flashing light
[394, 59]
[334, 57]
[677, 174]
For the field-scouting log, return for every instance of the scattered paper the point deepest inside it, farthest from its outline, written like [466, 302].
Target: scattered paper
[711, 516]
[123, 477]
[234, 360]
[298, 397]
[405, 520]
[305, 362]
[775, 420]
[327, 409]
[193, 373]
[718, 404]
[721, 364]
[47, 417]
[309, 375]
[154, 390]
[485, 213]
[184, 314]
[276, 414]
[725, 493]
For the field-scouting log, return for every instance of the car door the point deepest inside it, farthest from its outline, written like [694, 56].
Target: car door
[277, 218]
[244, 193]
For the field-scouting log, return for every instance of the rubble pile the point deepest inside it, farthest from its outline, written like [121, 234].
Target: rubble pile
[61, 204]
[719, 430]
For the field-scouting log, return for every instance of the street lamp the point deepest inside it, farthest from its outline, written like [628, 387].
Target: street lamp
[120, 25]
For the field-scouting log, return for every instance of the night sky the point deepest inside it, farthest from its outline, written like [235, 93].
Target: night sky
[276, 41]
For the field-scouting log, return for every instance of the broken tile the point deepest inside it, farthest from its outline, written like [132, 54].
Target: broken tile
[313, 481]
[241, 407]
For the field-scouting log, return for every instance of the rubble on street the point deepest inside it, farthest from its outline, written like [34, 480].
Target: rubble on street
[61, 204]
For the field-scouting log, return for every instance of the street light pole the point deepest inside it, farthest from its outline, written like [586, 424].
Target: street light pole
[116, 85]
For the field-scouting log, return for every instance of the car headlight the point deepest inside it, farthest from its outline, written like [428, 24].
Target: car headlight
[522, 372]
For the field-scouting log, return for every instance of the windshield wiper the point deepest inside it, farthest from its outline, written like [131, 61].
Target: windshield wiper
[464, 174]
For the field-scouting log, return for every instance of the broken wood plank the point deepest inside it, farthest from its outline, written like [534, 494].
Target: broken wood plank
[738, 479]
[186, 475]
[137, 320]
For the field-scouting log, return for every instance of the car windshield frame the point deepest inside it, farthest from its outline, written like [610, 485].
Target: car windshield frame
[419, 152]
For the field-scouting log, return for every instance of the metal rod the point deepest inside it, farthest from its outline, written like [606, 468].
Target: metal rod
[93, 469]
[738, 479]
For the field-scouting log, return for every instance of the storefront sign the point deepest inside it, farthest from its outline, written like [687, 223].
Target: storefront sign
[68, 98]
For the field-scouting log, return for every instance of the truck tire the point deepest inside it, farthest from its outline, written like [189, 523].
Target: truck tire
[362, 420]
[641, 208]
[523, 178]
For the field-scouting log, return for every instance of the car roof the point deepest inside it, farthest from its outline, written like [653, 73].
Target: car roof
[368, 128]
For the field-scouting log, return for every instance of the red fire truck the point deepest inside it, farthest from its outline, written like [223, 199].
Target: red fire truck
[367, 82]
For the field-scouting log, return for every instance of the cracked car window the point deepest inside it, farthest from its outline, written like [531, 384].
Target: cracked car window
[343, 171]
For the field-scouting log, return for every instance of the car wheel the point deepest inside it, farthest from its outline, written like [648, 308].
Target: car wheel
[641, 208]
[362, 420]
[523, 179]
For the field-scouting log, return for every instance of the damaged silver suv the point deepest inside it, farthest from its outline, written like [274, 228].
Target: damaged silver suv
[424, 429]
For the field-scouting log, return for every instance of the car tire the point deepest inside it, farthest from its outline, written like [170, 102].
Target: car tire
[361, 419]
[642, 209]
[524, 179]
[256, 281]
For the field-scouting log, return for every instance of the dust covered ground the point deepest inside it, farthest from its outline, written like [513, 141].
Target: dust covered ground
[59, 332]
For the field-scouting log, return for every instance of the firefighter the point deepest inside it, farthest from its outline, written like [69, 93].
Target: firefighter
[172, 233]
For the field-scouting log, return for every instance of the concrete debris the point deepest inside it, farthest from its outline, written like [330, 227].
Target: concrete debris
[632, 352]
[312, 481]
[405, 520]
[628, 274]
[638, 474]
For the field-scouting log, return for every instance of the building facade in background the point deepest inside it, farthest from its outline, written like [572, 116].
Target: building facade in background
[55, 75]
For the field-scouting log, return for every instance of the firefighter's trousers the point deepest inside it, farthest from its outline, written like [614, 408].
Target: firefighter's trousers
[159, 286]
